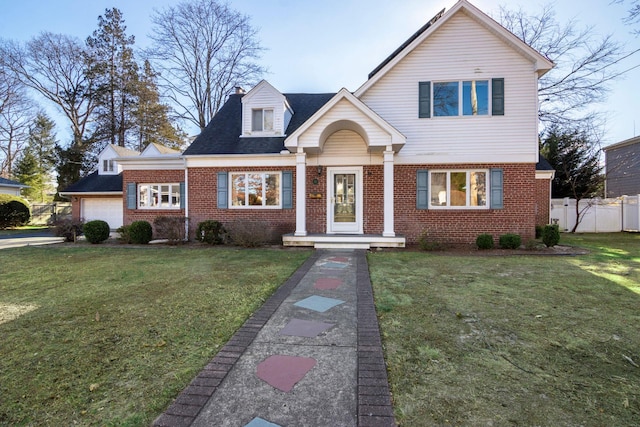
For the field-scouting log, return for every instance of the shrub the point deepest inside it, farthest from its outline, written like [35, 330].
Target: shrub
[428, 245]
[171, 228]
[123, 232]
[140, 232]
[249, 234]
[510, 241]
[70, 229]
[539, 229]
[96, 231]
[551, 235]
[212, 232]
[14, 211]
[484, 241]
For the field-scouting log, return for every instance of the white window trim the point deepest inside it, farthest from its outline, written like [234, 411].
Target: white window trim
[448, 189]
[246, 206]
[262, 129]
[108, 165]
[461, 99]
[149, 195]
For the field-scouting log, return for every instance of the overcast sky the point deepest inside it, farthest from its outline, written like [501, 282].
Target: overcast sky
[322, 46]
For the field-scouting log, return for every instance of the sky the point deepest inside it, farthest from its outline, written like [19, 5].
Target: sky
[322, 46]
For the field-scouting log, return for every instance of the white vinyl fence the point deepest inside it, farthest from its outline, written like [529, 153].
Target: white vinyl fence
[598, 215]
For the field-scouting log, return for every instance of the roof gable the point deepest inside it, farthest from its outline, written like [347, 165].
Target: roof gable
[223, 133]
[365, 114]
[541, 63]
[154, 149]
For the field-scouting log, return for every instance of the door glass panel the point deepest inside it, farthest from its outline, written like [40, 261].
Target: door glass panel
[345, 198]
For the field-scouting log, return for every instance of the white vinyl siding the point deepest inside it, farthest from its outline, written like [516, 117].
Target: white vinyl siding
[343, 116]
[264, 97]
[461, 50]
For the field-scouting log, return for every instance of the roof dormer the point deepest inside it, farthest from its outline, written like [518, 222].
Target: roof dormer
[107, 164]
[265, 112]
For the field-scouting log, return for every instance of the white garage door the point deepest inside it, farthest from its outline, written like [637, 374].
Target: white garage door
[106, 209]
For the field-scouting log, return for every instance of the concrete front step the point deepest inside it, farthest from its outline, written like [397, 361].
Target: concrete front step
[344, 241]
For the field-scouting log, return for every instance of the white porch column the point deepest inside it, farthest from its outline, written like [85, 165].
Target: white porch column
[301, 190]
[388, 193]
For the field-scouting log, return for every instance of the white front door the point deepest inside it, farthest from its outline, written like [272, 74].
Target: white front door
[344, 201]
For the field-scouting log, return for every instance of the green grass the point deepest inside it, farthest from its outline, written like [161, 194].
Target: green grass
[513, 340]
[95, 335]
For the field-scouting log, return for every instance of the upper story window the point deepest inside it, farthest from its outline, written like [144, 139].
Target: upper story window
[466, 98]
[108, 165]
[261, 120]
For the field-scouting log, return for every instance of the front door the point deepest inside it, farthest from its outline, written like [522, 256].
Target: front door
[345, 200]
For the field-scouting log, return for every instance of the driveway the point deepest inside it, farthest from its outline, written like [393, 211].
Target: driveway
[37, 238]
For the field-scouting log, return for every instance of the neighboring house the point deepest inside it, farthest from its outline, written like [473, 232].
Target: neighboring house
[8, 186]
[622, 165]
[99, 195]
[441, 139]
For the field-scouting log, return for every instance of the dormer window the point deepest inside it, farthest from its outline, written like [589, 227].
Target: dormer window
[261, 120]
[107, 165]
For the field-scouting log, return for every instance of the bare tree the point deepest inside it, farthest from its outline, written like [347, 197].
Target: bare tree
[16, 112]
[585, 64]
[203, 49]
[633, 13]
[55, 66]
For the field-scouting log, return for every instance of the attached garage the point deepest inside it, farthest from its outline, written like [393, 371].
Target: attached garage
[107, 209]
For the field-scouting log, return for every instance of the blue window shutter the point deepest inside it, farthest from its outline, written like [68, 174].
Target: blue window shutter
[424, 99]
[287, 190]
[422, 196]
[497, 187]
[182, 196]
[132, 198]
[223, 190]
[497, 97]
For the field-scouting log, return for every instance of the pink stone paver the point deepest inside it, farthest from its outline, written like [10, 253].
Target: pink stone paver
[326, 283]
[284, 372]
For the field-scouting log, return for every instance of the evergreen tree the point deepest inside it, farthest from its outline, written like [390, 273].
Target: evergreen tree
[116, 72]
[152, 116]
[38, 160]
[572, 154]
[26, 172]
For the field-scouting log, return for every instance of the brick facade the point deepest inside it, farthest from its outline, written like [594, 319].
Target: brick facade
[460, 225]
[149, 177]
[203, 205]
[543, 201]
[526, 203]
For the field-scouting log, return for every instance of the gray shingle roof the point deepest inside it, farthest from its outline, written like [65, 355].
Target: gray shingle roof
[222, 135]
[11, 183]
[95, 183]
[543, 164]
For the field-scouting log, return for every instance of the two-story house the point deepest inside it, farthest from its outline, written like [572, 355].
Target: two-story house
[442, 138]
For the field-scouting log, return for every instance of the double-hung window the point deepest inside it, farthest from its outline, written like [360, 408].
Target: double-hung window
[159, 196]
[107, 165]
[255, 190]
[261, 120]
[466, 98]
[458, 189]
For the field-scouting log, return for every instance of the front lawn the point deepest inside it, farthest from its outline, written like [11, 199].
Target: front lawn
[93, 335]
[513, 340]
